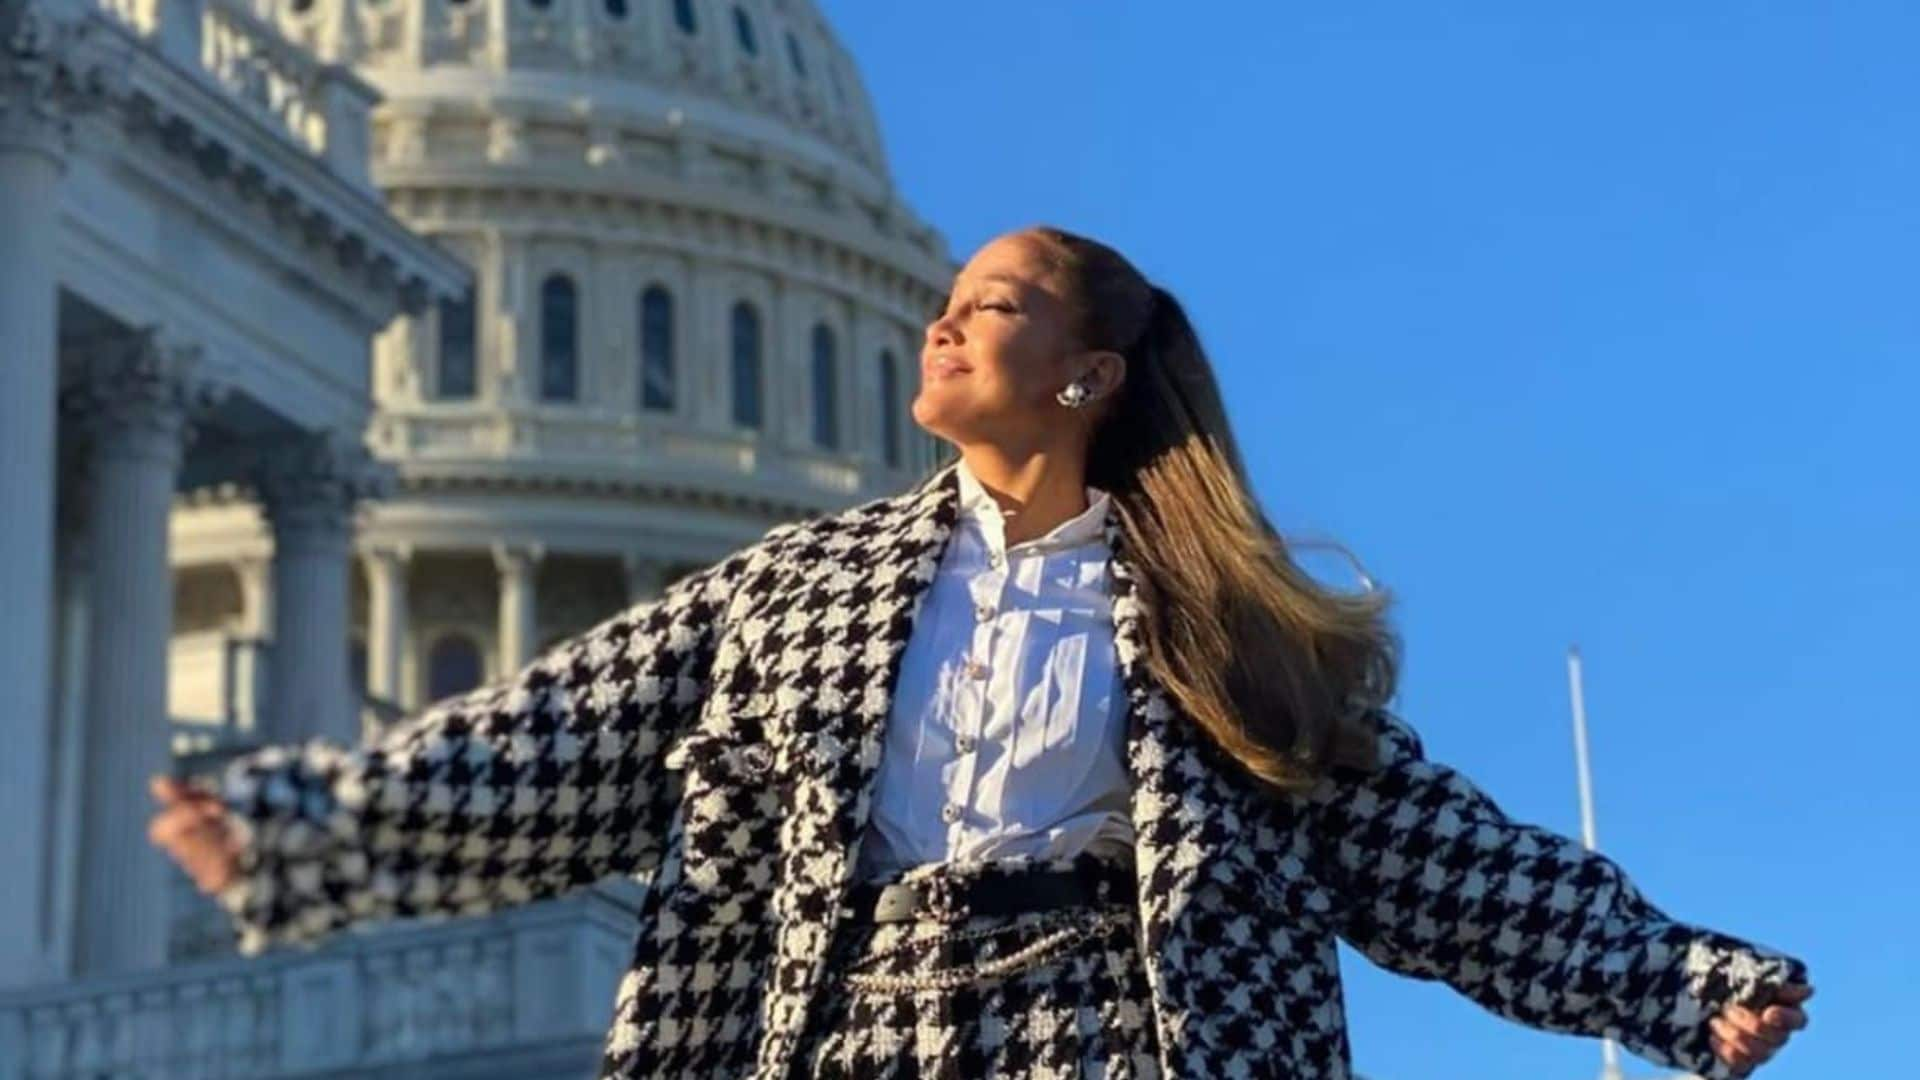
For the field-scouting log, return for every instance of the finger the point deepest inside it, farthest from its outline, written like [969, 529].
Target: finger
[1730, 1054]
[1785, 1017]
[1793, 993]
[165, 789]
[167, 826]
[1745, 1044]
[1750, 1022]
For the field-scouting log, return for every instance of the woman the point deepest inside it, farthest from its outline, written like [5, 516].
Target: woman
[1054, 763]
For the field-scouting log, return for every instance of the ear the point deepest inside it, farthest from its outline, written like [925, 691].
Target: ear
[1102, 372]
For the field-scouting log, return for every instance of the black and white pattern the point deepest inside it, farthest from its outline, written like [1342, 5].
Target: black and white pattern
[727, 736]
[1055, 994]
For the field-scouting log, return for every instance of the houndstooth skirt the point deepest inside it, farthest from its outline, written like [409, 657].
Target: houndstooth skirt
[1058, 993]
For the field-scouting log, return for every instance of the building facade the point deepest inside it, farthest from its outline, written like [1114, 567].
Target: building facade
[370, 347]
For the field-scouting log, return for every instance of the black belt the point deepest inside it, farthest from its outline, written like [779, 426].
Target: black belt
[945, 899]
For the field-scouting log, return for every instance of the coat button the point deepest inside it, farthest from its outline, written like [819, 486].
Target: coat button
[757, 758]
[950, 813]
[984, 612]
[964, 744]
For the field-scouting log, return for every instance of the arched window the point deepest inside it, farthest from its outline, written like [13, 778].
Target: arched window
[683, 17]
[743, 29]
[826, 419]
[456, 377]
[889, 409]
[656, 349]
[453, 666]
[794, 54]
[746, 365]
[559, 339]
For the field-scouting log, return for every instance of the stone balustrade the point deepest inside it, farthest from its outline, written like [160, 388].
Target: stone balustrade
[394, 999]
[322, 107]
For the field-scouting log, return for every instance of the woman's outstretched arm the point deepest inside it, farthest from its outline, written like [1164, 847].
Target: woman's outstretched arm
[1432, 880]
[532, 785]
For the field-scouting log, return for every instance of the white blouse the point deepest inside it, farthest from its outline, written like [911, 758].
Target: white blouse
[1006, 735]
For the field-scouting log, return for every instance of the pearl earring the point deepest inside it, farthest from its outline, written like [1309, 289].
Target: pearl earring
[1074, 396]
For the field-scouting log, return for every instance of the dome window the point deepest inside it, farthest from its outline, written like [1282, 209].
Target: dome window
[683, 17]
[826, 383]
[559, 339]
[794, 54]
[743, 29]
[455, 378]
[746, 366]
[890, 408]
[656, 350]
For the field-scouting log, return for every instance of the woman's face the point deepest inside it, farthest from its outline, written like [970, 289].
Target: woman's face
[993, 360]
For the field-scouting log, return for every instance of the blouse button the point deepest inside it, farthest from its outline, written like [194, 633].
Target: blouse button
[950, 813]
[965, 744]
[983, 612]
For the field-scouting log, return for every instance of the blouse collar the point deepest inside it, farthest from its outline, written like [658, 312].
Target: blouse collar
[978, 506]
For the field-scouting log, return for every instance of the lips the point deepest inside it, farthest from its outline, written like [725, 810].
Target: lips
[943, 366]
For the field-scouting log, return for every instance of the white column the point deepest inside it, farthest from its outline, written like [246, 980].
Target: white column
[519, 602]
[309, 489]
[387, 567]
[256, 595]
[73, 590]
[135, 400]
[32, 156]
[646, 576]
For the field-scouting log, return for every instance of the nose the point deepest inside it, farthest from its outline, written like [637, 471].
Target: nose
[943, 330]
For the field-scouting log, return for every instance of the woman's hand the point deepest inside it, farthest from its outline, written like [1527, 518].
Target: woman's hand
[1745, 1037]
[192, 828]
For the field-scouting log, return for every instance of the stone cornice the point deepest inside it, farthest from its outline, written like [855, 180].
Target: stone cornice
[186, 115]
[700, 495]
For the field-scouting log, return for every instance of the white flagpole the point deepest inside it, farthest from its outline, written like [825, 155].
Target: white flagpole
[1609, 1052]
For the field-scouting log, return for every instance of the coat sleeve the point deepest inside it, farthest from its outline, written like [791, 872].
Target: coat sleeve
[540, 782]
[1433, 881]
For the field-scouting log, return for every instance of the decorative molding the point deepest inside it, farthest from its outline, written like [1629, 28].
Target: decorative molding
[51, 69]
[138, 394]
[310, 487]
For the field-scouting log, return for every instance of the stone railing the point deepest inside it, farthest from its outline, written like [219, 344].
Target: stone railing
[398, 999]
[620, 441]
[323, 108]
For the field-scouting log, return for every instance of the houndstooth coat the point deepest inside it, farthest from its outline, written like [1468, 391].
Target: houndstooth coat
[725, 738]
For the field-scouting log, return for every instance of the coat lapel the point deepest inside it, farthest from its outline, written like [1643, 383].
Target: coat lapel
[876, 576]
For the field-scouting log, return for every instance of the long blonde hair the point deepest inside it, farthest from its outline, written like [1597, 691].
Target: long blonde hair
[1277, 669]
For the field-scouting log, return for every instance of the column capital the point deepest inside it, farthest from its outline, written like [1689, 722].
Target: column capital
[50, 71]
[137, 394]
[388, 554]
[518, 558]
[310, 486]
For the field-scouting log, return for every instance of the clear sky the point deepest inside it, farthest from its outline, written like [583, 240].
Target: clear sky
[1593, 324]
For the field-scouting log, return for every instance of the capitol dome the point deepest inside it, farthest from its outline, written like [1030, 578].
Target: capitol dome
[697, 311]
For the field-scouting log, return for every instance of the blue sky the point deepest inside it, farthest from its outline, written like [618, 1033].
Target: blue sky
[1592, 325]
